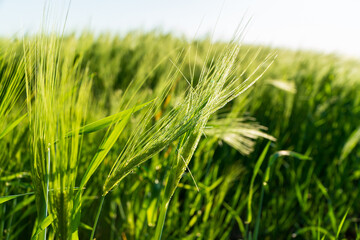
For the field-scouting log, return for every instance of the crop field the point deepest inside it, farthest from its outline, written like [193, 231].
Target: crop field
[152, 136]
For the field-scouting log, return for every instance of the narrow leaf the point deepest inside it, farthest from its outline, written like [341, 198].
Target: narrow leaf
[43, 225]
[341, 224]
[107, 121]
[256, 170]
[12, 126]
[11, 197]
[350, 144]
[104, 149]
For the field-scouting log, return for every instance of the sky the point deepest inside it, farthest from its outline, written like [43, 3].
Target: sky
[330, 26]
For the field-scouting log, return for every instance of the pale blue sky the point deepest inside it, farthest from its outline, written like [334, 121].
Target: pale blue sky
[323, 25]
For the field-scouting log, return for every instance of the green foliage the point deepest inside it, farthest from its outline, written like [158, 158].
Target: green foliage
[164, 134]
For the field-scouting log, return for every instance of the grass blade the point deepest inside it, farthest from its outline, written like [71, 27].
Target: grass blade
[97, 217]
[11, 197]
[341, 224]
[350, 144]
[255, 172]
[104, 149]
[42, 226]
[107, 121]
[12, 126]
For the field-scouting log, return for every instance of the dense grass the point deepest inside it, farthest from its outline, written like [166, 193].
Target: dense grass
[194, 135]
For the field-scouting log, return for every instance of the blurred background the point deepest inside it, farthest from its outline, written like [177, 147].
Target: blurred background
[324, 25]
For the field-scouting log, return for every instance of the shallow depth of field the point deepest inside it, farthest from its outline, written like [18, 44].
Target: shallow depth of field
[151, 136]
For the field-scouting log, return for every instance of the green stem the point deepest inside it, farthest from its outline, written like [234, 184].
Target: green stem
[47, 189]
[41, 216]
[11, 219]
[161, 220]
[97, 217]
[257, 222]
[44, 199]
[2, 215]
